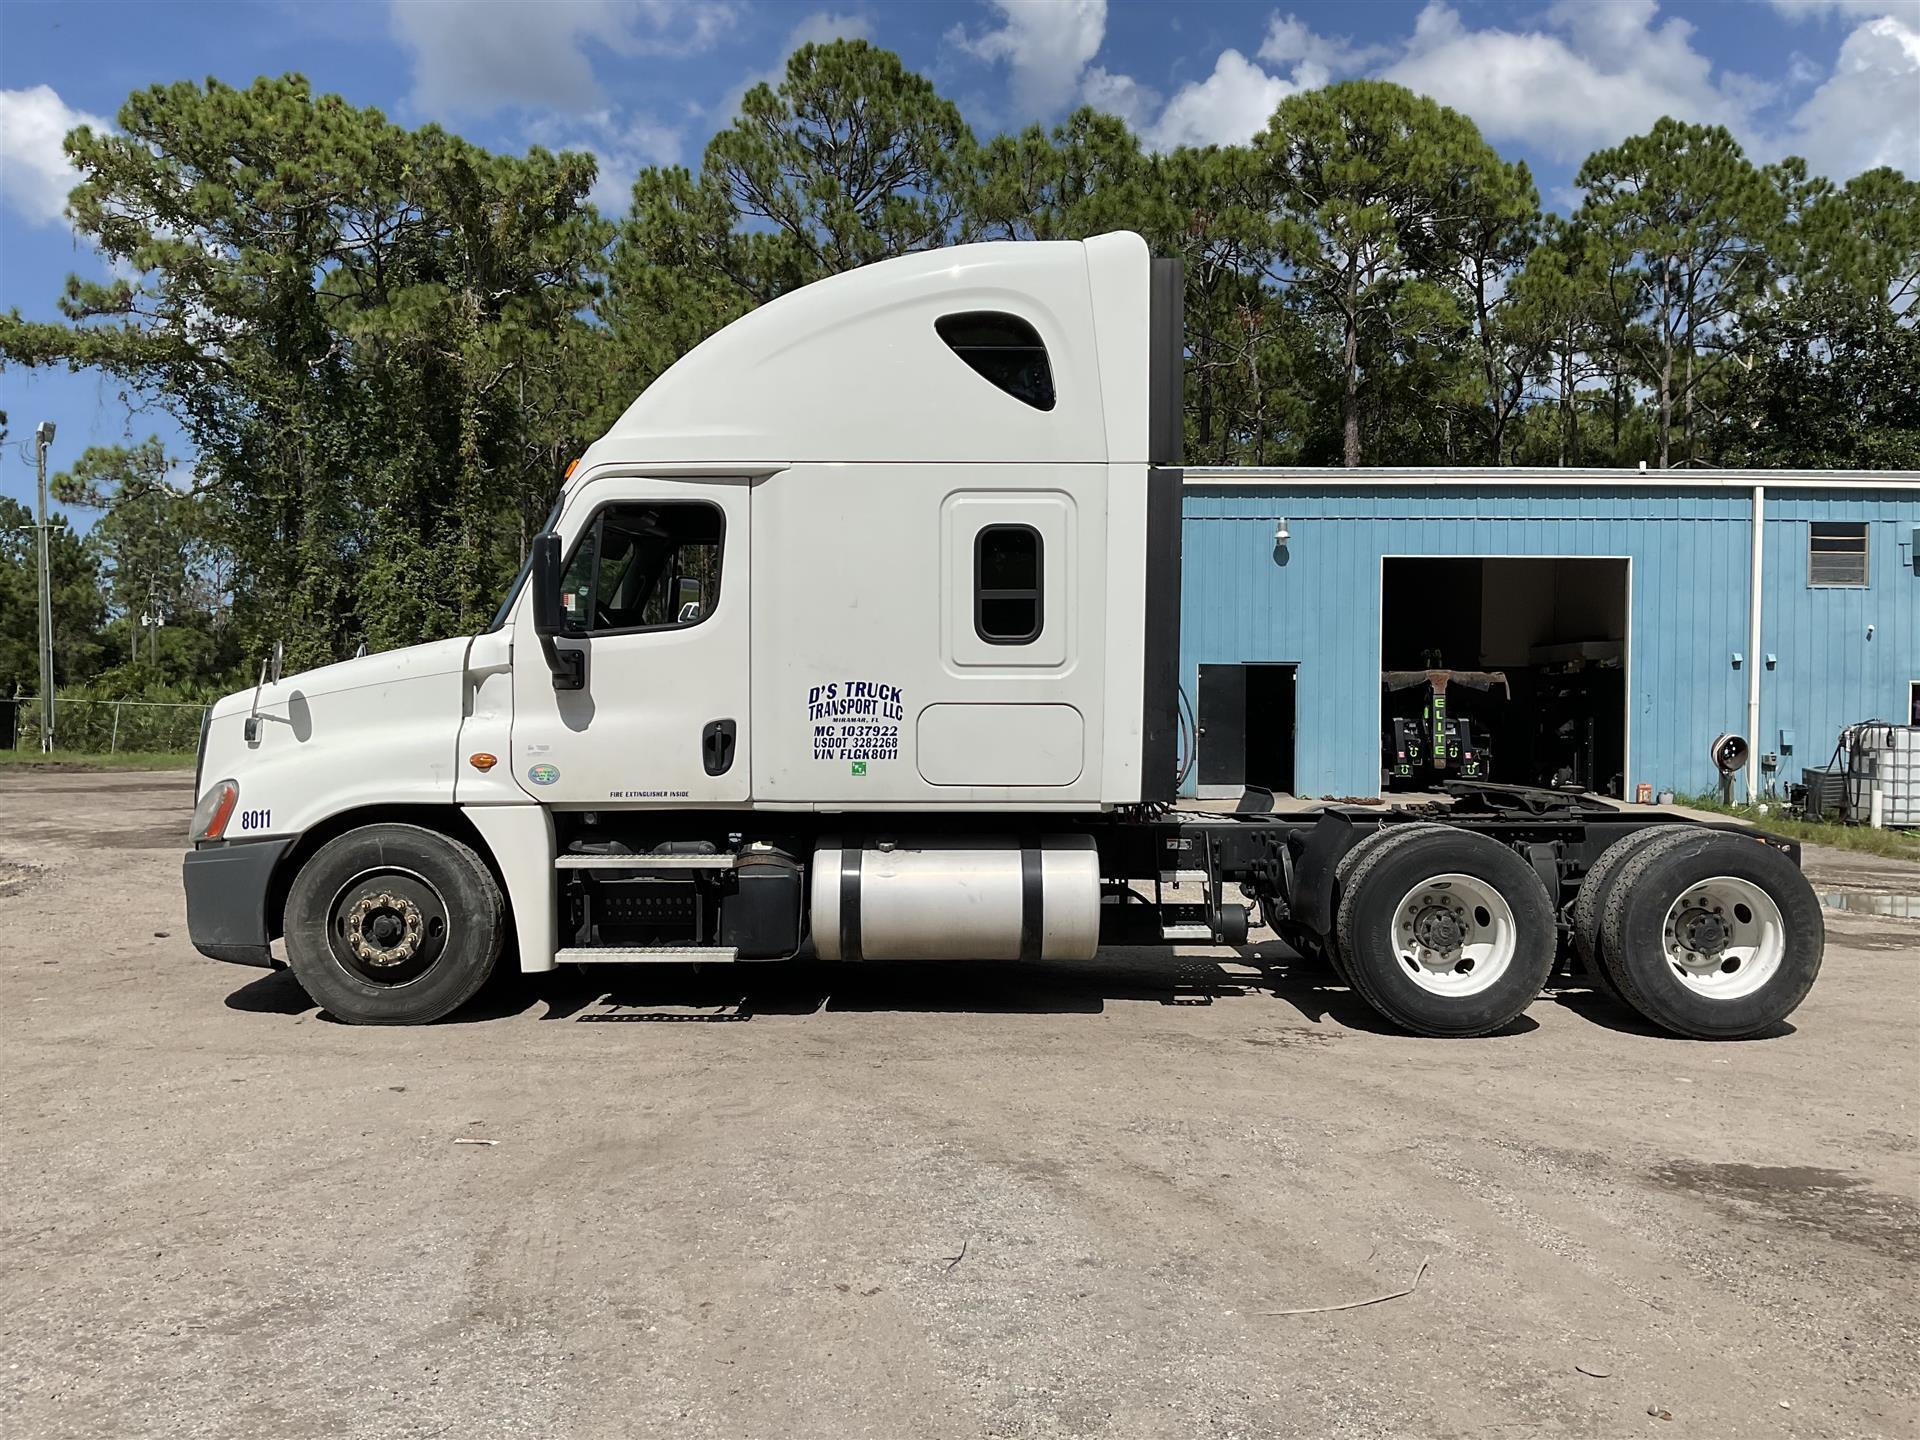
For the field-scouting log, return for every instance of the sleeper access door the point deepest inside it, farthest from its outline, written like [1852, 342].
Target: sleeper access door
[654, 592]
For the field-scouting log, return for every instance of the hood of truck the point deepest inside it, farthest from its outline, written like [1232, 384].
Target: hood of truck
[380, 730]
[386, 667]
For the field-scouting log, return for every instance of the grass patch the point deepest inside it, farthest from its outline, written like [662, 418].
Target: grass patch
[81, 760]
[1889, 844]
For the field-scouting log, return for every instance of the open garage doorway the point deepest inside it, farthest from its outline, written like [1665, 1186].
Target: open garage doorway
[1504, 668]
[1246, 716]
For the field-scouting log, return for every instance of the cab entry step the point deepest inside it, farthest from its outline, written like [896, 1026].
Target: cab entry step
[647, 862]
[644, 954]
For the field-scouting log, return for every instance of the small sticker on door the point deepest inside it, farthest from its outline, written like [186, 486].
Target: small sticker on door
[859, 767]
[544, 774]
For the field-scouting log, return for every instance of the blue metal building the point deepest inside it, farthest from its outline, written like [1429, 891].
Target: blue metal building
[1289, 611]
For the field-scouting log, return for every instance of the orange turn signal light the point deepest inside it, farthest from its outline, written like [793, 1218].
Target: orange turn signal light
[483, 762]
[572, 465]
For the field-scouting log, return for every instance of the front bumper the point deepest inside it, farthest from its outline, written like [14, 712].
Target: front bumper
[227, 899]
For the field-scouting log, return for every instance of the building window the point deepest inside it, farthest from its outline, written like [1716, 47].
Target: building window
[1913, 703]
[644, 566]
[1006, 585]
[1003, 348]
[1837, 552]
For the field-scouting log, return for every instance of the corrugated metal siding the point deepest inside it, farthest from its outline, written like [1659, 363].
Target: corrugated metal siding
[1830, 673]
[1318, 605]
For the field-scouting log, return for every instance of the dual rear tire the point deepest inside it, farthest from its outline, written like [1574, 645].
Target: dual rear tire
[1445, 932]
[1708, 934]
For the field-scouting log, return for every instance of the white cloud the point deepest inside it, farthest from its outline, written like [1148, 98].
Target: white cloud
[1120, 95]
[470, 57]
[819, 28]
[1826, 9]
[1577, 77]
[1591, 76]
[621, 143]
[1231, 105]
[1047, 44]
[1289, 39]
[34, 174]
[1868, 111]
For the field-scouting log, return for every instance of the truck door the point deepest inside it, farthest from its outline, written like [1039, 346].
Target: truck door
[654, 590]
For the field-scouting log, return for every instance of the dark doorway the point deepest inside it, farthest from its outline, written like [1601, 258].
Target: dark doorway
[1504, 668]
[1246, 715]
[1270, 726]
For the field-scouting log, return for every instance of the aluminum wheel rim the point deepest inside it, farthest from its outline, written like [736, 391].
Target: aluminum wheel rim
[1454, 935]
[1724, 938]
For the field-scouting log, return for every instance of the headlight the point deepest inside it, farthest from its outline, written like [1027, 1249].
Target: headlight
[210, 816]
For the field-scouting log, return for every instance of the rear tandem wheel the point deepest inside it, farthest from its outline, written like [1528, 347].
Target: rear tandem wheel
[1446, 933]
[1384, 838]
[1590, 903]
[1712, 935]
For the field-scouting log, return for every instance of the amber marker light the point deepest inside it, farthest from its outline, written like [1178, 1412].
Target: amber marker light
[483, 762]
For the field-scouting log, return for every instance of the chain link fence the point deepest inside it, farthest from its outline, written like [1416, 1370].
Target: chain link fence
[103, 727]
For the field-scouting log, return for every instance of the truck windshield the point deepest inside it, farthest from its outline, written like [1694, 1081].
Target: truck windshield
[526, 566]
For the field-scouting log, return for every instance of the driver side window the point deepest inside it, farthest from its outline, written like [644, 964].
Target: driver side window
[644, 565]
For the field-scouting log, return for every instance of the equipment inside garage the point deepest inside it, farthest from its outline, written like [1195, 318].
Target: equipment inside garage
[1508, 669]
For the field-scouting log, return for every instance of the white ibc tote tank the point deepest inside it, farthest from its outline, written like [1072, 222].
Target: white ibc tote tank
[1886, 758]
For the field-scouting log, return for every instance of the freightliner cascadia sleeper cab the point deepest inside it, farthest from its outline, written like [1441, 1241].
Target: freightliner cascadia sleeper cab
[856, 638]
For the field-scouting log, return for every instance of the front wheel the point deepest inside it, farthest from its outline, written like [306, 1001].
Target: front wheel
[394, 925]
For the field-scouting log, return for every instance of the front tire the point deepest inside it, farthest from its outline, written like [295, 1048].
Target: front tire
[1447, 933]
[1712, 936]
[394, 925]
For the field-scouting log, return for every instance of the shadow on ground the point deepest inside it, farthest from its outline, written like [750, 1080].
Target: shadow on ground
[734, 994]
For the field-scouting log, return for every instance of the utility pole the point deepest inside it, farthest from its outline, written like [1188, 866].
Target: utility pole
[43, 437]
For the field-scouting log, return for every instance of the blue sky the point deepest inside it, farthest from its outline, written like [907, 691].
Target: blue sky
[647, 81]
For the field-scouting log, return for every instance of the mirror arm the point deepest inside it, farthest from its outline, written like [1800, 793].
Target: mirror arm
[569, 667]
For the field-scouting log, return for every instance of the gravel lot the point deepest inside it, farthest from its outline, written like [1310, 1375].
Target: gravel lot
[956, 1201]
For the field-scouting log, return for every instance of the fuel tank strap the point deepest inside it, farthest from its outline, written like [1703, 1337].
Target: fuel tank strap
[1032, 900]
[850, 856]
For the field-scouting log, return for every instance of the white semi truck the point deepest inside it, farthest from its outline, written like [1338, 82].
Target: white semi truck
[856, 637]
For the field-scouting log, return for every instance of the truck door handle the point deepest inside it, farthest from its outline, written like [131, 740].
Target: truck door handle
[716, 746]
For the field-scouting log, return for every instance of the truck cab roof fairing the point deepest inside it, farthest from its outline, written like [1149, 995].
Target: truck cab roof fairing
[851, 368]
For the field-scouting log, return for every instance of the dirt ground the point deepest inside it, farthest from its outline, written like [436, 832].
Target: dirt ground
[922, 1202]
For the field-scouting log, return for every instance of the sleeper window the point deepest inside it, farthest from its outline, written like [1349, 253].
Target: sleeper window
[1005, 350]
[1007, 571]
[1837, 553]
[644, 566]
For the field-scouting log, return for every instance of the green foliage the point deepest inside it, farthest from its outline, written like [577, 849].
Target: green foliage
[64, 759]
[384, 345]
[164, 579]
[78, 606]
[850, 159]
[369, 336]
[1687, 229]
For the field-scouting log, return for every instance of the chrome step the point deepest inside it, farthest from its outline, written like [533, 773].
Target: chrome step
[644, 954]
[647, 862]
[1187, 933]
